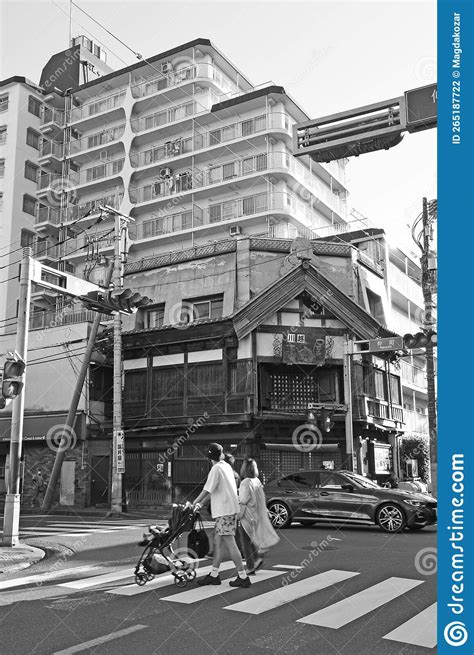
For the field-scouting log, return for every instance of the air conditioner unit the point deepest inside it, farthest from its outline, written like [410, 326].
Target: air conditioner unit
[235, 230]
[165, 173]
[166, 67]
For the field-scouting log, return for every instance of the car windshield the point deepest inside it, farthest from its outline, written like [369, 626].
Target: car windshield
[364, 482]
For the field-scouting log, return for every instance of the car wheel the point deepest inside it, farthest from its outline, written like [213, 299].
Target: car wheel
[307, 522]
[279, 514]
[391, 518]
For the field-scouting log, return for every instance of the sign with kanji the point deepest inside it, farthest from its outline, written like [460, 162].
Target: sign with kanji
[119, 440]
[386, 343]
[304, 346]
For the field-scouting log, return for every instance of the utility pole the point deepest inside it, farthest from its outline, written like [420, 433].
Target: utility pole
[71, 417]
[428, 281]
[347, 370]
[117, 432]
[11, 524]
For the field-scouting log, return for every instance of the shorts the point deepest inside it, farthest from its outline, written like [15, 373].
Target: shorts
[226, 525]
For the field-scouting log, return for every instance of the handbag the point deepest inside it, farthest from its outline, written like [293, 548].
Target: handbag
[198, 541]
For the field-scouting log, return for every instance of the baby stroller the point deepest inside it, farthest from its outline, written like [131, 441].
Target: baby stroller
[158, 555]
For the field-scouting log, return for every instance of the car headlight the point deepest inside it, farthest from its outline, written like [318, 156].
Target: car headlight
[414, 503]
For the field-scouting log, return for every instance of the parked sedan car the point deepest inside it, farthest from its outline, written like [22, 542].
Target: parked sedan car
[313, 496]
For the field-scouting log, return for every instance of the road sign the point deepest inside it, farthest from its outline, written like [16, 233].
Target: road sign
[119, 440]
[386, 343]
[421, 107]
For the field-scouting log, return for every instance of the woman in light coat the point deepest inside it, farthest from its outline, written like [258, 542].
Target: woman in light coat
[257, 533]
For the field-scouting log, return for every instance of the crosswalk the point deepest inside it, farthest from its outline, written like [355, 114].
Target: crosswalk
[419, 630]
[81, 528]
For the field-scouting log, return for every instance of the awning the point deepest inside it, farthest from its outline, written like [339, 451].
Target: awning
[323, 448]
[36, 427]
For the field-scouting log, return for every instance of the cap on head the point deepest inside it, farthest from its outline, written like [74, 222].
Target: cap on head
[215, 451]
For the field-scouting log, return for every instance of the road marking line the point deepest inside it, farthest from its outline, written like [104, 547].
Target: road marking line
[353, 607]
[98, 580]
[100, 640]
[287, 566]
[43, 577]
[291, 592]
[418, 631]
[202, 593]
[161, 581]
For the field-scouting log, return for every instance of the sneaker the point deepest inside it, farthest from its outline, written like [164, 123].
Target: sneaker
[258, 565]
[251, 572]
[209, 579]
[240, 582]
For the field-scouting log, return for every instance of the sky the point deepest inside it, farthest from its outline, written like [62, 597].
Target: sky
[329, 56]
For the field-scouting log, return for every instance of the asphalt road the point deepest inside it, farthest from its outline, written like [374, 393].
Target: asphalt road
[379, 591]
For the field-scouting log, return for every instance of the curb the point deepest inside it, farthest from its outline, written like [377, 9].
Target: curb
[33, 555]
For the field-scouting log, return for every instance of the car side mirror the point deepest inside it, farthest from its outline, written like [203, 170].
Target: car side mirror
[347, 487]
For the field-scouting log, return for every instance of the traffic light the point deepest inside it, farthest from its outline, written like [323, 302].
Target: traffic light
[12, 380]
[420, 340]
[120, 301]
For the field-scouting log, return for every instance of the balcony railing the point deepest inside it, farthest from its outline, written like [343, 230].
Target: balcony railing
[96, 140]
[89, 175]
[97, 107]
[49, 115]
[406, 285]
[51, 148]
[49, 180]
[97, 241]
[46, 249]
[365, 406]
[183, 145]
[415, 422]
[42, 320]
[200, 104]
[76, 212]
[187, 74]
[244, 207]
[48, 215]
[413, 374]
[227, 172]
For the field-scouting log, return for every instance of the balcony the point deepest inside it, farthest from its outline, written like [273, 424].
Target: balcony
[406, 285]
[186, 110]
[91, 208]
[240, 208]
[46, 250]
[44, 319]
[97, 107]
[98, 241]
[198, 71]
[229, 172]
[52, 120]
[183, 145]
[96, 140]
[95, 173]
[375, 410]
[47, 216]
[415, 421]
[51, 149]
[413, 375]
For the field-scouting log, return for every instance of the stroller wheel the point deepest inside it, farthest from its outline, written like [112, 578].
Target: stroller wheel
[150, 577]
[141, 579]
[191, 574]
[180, 579]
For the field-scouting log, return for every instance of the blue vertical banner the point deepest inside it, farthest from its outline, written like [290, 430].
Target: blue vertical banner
[455, 328]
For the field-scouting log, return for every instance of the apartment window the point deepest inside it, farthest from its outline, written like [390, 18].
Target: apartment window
[29, 205]
[155, 316]
[33, 138]
[198, 308]
[27, 239]
[4, 102]
[3, 134]
[34, 106]
[2, 167]
[31, 171]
